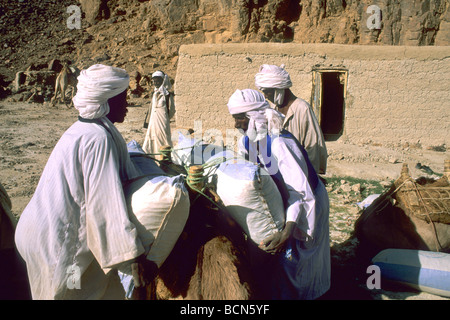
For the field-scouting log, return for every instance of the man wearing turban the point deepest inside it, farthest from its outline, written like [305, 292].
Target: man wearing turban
[300, 120]
[161, 110]
[75, 231]
[302, 247]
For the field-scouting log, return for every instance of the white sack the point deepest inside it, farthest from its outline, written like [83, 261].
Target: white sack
[251, 197]
[158, 206]
[190, 151]
[144, 165]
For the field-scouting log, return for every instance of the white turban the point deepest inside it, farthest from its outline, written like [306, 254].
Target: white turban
[246, 100]
[263, 119]
[158, 74]
[95, 86]
[166, 85]
[270, 76]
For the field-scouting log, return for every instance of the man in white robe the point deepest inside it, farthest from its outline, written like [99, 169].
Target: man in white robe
[299, 120]
[75, 231]
[161, 110]
[303, 270]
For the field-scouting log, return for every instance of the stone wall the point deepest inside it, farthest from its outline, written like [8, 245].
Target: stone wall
[394, 95]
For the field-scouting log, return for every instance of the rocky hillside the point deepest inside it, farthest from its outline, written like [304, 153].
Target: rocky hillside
[142, 36]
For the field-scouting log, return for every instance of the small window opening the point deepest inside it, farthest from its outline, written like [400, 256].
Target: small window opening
[328, 101]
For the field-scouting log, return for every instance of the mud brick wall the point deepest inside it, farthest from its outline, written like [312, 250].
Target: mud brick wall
[394, 94]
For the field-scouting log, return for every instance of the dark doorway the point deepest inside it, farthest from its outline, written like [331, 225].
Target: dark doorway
[329, 87]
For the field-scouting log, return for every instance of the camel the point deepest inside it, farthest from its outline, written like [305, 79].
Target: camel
[210, 261]
[412, 214]
[67, 77]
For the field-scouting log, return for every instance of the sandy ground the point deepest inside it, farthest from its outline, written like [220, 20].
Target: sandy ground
[28, 133]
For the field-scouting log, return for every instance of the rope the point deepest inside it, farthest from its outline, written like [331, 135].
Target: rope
[438, 244]
[193, 180]
[387, 197]
[166, 153]
[145, 155]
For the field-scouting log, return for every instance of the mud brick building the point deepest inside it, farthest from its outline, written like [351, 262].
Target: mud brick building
[389, 95]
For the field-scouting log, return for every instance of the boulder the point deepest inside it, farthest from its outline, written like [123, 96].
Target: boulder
[95, 10]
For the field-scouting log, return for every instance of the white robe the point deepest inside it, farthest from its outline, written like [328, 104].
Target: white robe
[76, 226]
[302, 123]
[158, 131]
[306, 268]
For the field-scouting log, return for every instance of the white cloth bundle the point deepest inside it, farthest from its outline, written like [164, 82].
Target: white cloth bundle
[190, 151]
[263, 119]
[95, 86]
[146, 167]
[158, 206]
[270, 76]
[250, 195]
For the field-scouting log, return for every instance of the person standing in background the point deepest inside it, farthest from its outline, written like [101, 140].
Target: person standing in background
[161, 110]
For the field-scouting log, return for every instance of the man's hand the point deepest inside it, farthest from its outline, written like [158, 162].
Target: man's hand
[143, 271]
[277, 242]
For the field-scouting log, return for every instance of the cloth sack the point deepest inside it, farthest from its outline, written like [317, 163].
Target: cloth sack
[249, 192]
[158, 206]
[190, 151]
[251, 196]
